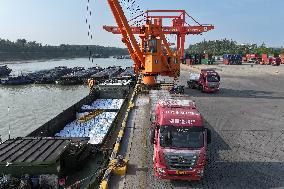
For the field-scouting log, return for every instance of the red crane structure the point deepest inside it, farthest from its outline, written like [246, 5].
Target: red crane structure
[179, 26]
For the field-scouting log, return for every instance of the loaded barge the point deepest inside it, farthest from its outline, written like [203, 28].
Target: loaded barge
[5, 71]
[71, 148]
[107, 73]
[79, 77]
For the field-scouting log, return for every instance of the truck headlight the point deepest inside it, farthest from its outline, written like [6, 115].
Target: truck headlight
[161, 170]
[200, 172]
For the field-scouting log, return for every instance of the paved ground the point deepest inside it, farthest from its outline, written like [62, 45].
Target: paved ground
[247, 122]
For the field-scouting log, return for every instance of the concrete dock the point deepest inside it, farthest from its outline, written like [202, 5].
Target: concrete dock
[246, 119]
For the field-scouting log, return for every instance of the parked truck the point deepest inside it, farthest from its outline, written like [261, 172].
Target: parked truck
[282, 58]
[275, 61]
[251, 58]
[208, 80]
[232, 59]
[180, 140]
[270, 59]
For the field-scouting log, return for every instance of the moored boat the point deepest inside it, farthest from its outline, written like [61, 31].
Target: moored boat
[16, 80]
[78, 77]
[5, 71]
[107, 73]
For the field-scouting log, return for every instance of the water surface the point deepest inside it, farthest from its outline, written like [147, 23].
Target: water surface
[30, 106]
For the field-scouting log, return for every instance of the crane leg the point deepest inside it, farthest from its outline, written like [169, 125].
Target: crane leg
[149, 80]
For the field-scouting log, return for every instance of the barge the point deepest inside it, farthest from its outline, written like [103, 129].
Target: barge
[78, 77]
[75, 144]
[107, 73]
[54, 75]
[5, 71]
[16, 80]
[128, 73]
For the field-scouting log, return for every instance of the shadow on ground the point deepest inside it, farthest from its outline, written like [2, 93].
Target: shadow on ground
[243, 174]
[225, 92]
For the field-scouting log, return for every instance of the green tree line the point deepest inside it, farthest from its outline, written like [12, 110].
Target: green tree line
[31, 50]
[225, 46]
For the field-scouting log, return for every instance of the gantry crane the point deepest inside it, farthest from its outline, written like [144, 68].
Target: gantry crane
[153, 56]
[179, 26]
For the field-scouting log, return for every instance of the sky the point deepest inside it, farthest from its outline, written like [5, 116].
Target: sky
[57, 22]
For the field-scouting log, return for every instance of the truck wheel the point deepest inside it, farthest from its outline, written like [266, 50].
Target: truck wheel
[200, 88]
[189, 85]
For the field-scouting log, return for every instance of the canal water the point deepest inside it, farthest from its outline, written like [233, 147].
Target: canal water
[25, 108]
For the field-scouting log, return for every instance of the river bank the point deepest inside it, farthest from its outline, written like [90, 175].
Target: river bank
[34, 60]
[32, 66]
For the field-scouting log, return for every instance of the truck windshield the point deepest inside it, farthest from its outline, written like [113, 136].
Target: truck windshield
[181, 137]
[212, 78]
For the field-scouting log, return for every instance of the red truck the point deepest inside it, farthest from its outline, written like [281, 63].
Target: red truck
[282, 58]
[264, 59]
[270, 59]
[208, 80]
[275, 61]
[180, 140]
[251, 58]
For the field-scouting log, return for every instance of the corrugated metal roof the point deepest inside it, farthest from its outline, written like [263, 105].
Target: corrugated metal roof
[29, 150]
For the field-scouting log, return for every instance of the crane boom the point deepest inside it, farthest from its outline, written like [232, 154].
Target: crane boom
[127, 35]
[187, 30]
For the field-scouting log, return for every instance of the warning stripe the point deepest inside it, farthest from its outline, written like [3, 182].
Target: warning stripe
[106, 177]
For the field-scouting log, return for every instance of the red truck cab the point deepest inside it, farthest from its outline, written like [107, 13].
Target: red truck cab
[251, 58]
[180, 141]
[207, 81]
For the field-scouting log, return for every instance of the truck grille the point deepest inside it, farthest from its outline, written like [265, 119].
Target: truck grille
[213, 85]
[181, 161]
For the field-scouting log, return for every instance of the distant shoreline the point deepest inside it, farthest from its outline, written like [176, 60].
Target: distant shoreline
[24, 61]
[26, 51]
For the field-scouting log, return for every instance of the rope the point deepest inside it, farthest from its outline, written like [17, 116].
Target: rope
[82, 180]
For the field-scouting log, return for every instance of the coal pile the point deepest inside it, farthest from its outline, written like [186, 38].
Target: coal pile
[127, 73]
[5, 71]
[108, 73]
[16, 80]
[51, 76]
[77, 77]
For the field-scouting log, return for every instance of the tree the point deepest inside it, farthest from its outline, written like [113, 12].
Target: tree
[31, 50]
[225, 46]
